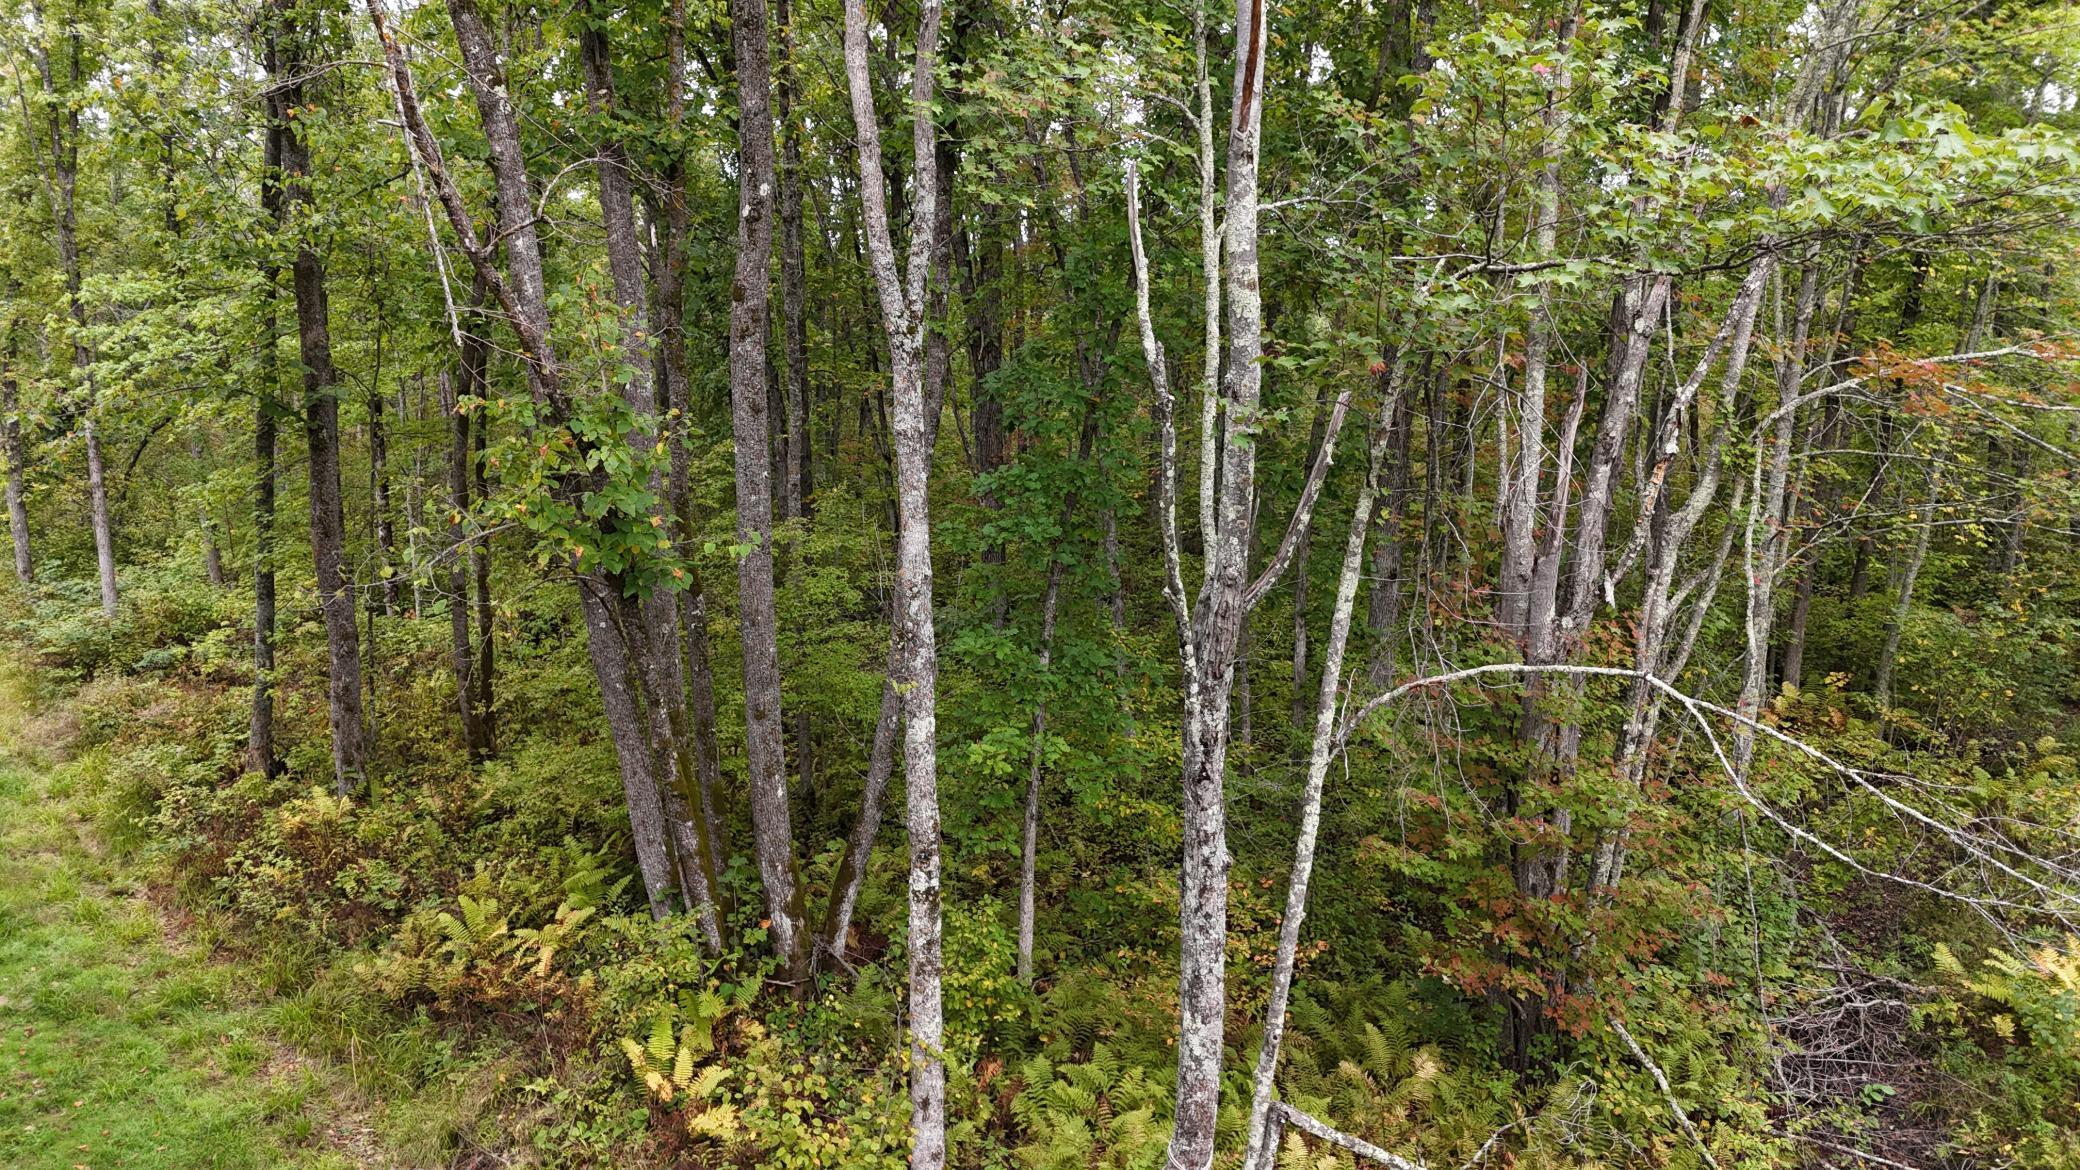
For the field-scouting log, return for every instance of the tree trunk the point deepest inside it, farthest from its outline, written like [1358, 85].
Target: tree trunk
[11, 437]
[260, 731]
[649, 617]
[1383, 606]
[1260, 1152]
[765, 750]
[63, 143]
[480, 569]
[523, 296]
[287, 64]
[852, 863]
[905, 320]
[379, 501]
[1903, 603]
[212, 556]
[1301, 707]
[1050, 603]
[794, 280]
[799, 455]
[1210, 632]
[462, 653]
[705, 795]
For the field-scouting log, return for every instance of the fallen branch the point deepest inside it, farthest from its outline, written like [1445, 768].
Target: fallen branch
[1287, 1115]
[1667, 1094]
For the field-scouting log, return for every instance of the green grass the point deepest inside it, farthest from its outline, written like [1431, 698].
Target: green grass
[121, 1043]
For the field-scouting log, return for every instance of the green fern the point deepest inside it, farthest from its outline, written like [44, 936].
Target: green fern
[1101, 1113]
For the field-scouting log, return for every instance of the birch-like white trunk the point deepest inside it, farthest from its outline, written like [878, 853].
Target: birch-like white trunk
[904, 318]
[1260, 1150]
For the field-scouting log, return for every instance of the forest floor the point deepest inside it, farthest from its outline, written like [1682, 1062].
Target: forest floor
[123, 1041]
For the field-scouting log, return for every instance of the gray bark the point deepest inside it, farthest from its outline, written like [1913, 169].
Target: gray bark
[11, 448]
[650, 618]
[476, 737]
[1261, 1151]
[905, 320]
[793, 286]
[288, 66]
[1903, 600]
[63, 142]
[765, 749]
[1050, 602]
[260, 753]
[212, 556]
[521, 292]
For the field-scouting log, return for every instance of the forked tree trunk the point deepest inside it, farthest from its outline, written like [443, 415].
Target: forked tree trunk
[704, 797]
[1210, 631]
[905, 313]
[649, 616]
[522, 293]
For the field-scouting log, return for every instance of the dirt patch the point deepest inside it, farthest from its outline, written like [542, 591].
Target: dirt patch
[340, 1120]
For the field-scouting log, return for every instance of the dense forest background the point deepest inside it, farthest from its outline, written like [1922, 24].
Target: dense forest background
[1075, 584]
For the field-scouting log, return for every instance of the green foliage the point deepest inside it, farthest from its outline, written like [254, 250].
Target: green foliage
[1095, 1112]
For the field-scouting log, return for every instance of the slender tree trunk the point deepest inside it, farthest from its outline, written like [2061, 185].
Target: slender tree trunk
[260, 732]
[212, 556]
[1050, 603]
[522, 294]
[460, 551]
[1210, 632]
[1383, 606]
[765, 748]
[794, 279]
[11, 437]
[1261, 1151]
[379, 501]
[705, 796]
[905, 319]
[63, 143]
[1903, 602]
[649, 619]
[288, 65]
[1300, 705]
[799, 456]
[851, 873]
[480, 570]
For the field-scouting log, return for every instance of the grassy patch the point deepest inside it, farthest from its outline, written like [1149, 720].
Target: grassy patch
[121, 1044]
